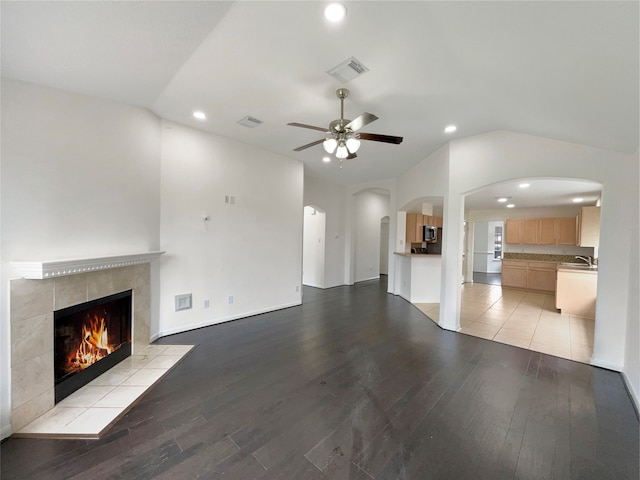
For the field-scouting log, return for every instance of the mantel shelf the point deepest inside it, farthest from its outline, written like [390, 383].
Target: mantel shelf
[59, 268]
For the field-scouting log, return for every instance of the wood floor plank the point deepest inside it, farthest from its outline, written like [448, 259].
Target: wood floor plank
[355, 384]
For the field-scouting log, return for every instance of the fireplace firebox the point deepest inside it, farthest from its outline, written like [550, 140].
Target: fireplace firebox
[89, 339]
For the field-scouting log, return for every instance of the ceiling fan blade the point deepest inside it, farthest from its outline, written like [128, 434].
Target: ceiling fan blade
[308, 145]
[302, 125]
[380, 138]
[359, 122]
[351, 156]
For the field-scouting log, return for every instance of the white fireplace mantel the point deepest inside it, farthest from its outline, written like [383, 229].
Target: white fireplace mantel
[59, 268]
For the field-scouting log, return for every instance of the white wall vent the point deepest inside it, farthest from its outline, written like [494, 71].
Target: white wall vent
[183, 302]
[348, 70]
[249, 121]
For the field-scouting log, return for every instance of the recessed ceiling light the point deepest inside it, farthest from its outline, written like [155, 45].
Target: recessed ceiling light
[326, 159]
[450, 129]
[578, 200]
[503, 199]
[511, 205]
[335, 12]
[199, 115]
[524, 185]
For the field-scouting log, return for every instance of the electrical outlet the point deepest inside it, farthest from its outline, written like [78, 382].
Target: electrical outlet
[230, 299]
[206, 304]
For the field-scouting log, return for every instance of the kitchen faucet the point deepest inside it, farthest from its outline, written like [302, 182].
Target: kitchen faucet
[586, 259]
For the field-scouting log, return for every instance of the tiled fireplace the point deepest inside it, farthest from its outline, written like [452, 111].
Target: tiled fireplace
[32, 306]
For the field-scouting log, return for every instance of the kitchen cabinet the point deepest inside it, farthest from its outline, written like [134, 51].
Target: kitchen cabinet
[411, 228]
[547, 231]
[589, 227]
[530, 231]
[566, 231]
[514, 274]
[541, 276]
[576, 292]
[541, 231]
[532, 275]
[414, 224]
[513, 230]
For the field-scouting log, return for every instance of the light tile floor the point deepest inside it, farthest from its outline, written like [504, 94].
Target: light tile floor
[523, 319]
[91, 410]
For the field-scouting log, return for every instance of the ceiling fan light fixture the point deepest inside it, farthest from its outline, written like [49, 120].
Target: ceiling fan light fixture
[353, 144]
[330, 145]
[341, 151]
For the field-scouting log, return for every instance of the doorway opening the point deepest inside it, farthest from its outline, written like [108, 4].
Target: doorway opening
[313, 247]
[487, 252]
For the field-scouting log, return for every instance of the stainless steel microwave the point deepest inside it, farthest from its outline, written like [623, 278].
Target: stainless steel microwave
[429, 233]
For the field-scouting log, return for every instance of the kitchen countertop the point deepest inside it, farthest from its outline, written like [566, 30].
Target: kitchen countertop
[579, 269]
[403, 254]
[540, 257]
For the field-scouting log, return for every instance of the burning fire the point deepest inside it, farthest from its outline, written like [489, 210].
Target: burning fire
[93, 346]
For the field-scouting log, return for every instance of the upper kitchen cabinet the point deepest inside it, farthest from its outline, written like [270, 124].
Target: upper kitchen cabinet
[588, 227]
[541, 231]
[547, 231]
[566, 232]
[530, 231]
[513, 230]
[412, 228]
[415, 222]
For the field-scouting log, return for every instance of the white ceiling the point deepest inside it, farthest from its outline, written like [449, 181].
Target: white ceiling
[565, 70]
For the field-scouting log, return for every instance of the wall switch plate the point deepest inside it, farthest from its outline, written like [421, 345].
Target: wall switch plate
[230, 299]
[206, 304]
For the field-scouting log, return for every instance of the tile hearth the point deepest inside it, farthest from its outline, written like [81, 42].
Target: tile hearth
[90, 411]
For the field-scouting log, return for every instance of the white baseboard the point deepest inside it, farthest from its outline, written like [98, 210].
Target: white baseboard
[154, 337]
[616, 367]
[632, 392]
[5, 431]
[208, 323]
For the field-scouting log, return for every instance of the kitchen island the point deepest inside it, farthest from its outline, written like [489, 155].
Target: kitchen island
[418, 277]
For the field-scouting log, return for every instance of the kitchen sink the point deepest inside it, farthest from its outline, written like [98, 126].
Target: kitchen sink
[579, 266]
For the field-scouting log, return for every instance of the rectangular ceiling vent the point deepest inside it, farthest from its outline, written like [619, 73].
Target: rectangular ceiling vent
[348, 70]
[250, 122]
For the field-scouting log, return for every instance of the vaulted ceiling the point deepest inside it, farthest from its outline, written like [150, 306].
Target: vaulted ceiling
[564, 70]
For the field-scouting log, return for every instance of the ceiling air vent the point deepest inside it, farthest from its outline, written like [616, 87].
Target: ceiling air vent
[249, 122]
[348, 70]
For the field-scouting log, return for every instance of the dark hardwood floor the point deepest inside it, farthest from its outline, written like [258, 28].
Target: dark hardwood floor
[355, 384]
[488, 278]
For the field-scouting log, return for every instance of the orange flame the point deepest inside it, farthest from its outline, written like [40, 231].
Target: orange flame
[93, 346]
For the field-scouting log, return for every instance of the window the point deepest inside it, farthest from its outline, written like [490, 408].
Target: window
[497, 244]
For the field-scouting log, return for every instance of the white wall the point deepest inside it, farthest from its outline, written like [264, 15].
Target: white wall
[632, 351]
[499, 156]
[251, 250]
[331, 199]
[80, 178]
[369, 210]
[313, 247]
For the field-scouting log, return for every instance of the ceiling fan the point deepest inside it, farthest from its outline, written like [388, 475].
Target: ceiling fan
[343, 136]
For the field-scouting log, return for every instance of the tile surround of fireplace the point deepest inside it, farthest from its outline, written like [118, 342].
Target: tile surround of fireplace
[32, 303]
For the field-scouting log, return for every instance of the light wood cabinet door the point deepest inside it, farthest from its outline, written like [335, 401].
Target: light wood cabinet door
[566, 231]
[543, 279]
[437, 222]
[530, 231]
[513, 230]
[411, 228]
[419, 224]
[589, 227]
[514, 274]
[547, 231]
